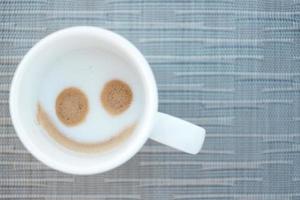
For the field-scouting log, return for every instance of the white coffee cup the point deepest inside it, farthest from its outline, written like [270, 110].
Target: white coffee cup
[160, 127]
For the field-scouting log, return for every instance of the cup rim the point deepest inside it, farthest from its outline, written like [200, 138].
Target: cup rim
[148, 119]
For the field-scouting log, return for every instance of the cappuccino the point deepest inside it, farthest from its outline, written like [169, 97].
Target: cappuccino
[90, 100]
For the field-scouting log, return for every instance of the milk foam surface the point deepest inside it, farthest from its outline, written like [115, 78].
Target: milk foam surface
[89, 70]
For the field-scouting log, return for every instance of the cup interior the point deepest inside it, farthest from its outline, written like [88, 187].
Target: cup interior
[24, 99]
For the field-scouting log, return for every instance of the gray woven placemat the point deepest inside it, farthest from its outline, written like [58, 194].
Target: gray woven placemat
[232, 66]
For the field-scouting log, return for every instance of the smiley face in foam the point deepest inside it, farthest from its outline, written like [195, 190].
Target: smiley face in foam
[90, 99]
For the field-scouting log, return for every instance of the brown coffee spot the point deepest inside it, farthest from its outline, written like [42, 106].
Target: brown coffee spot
[97, 147]
[71, 106]
[116, 97]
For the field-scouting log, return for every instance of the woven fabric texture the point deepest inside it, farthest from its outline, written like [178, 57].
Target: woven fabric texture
[231, 66]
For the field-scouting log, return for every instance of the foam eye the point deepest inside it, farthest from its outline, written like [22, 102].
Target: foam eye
[116, 97]
[71, 106]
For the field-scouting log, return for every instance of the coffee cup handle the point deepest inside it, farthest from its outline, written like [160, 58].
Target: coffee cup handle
[177, 133]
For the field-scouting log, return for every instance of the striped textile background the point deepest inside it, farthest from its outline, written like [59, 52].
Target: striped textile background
[232, 66]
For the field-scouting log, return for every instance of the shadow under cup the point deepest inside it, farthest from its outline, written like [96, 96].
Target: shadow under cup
[25, 93]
